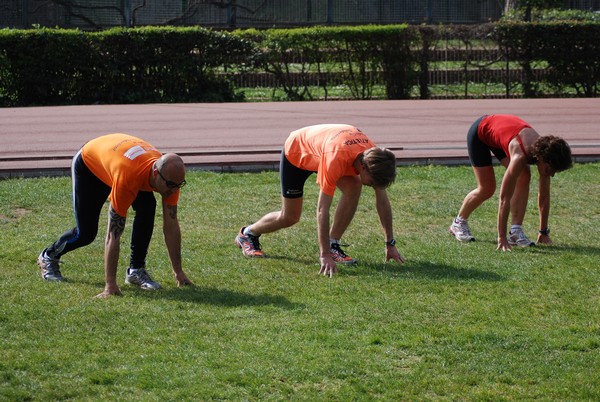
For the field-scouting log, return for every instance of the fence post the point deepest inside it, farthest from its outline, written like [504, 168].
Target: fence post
[232, 14]
[429, 11]
[25, 16]
[127, 13]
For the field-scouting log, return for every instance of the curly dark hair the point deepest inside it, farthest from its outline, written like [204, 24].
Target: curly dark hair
[554, 151]
[380, 164]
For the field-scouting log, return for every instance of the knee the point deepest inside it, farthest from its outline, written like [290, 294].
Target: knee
[287, 220]
[85, 237]
[487, 191]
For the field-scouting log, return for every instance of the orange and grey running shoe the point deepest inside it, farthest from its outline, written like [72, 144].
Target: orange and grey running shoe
[249, 244]
[338, 255]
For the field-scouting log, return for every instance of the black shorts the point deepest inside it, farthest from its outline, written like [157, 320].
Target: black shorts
[292, 178]
[480, 154]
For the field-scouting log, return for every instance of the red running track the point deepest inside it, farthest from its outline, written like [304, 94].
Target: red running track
[249, 136]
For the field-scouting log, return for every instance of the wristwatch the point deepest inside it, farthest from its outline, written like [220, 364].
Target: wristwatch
[545, 232]
[391, 242]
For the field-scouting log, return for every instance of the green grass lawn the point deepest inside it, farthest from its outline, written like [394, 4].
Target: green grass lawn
[455, 322]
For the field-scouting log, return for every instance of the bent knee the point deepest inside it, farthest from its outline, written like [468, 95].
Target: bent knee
[486, 192]
[289, 220]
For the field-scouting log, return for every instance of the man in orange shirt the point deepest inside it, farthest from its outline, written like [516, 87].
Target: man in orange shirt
[126, 170]
[343, 157]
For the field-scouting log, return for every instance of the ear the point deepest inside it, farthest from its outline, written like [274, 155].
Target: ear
[363, 168]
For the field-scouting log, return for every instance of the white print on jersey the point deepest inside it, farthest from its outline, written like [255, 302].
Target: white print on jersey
[134, 152]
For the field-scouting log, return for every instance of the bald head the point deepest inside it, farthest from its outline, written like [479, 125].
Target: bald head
[172, 167]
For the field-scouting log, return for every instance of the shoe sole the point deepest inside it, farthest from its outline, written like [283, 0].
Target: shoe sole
[345, 262]
[462, 241]
[140, 286]
[523, 246]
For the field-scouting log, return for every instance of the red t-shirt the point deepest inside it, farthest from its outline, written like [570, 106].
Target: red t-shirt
[498, 130]
[123, 162]
[329, 150]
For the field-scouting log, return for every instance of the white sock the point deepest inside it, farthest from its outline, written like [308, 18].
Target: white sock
[248, 232]
[333, 241]
[459, 219]
[514, 227]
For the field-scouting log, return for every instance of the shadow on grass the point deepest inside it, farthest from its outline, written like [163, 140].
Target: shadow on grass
[423, 269]
[553, 248]
[578, 249]
[305, 261]
[201, 295]
[214, 296]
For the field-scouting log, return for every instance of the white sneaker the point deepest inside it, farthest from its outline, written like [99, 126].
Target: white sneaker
[140, 277]
[461, 231]
[518, 238]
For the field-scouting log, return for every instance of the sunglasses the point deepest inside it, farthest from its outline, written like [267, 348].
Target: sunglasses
[169, 183]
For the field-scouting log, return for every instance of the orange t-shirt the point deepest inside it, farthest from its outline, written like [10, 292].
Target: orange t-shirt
[329, 150]
[123, 162]
[498, 130]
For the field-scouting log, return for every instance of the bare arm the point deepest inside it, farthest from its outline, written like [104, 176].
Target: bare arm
[328, 266]
[116, 225]
[507, 189]
[172, 236]
[544, 207]
[384, 210]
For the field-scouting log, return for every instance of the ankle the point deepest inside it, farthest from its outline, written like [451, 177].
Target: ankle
[248, 232]
[514, 228]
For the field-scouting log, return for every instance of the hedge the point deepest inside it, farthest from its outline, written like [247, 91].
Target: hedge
[50, 67]
[569, 51]
[163, 64]
[361, 56]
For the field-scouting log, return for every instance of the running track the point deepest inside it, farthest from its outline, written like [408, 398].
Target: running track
[227, 137]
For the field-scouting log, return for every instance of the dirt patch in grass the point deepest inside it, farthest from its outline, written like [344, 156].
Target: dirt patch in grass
[15, 215]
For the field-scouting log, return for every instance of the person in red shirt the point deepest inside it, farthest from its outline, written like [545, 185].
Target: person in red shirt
[126, 170]
[343, 157]
[517, 146]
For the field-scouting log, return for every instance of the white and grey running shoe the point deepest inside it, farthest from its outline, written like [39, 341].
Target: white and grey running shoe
[49, 267]
[460, 230]
[518, 238]
[140, 277]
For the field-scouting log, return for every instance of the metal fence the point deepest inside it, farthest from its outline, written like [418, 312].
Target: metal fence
[100, 14]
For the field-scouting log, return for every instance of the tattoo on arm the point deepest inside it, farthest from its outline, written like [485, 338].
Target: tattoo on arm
[172, 211]
[117, 223]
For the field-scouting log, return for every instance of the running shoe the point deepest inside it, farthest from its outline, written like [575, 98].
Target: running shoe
[49, 267]
[249, 244]
[518, 238]
[140, 277]
[461, 231]
[338, 255]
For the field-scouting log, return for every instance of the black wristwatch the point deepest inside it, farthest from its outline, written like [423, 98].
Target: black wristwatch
[391, 242]
[545, 232]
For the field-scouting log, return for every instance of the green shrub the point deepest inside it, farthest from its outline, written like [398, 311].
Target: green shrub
[570, 50]
[48, 67]
[358, 57]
